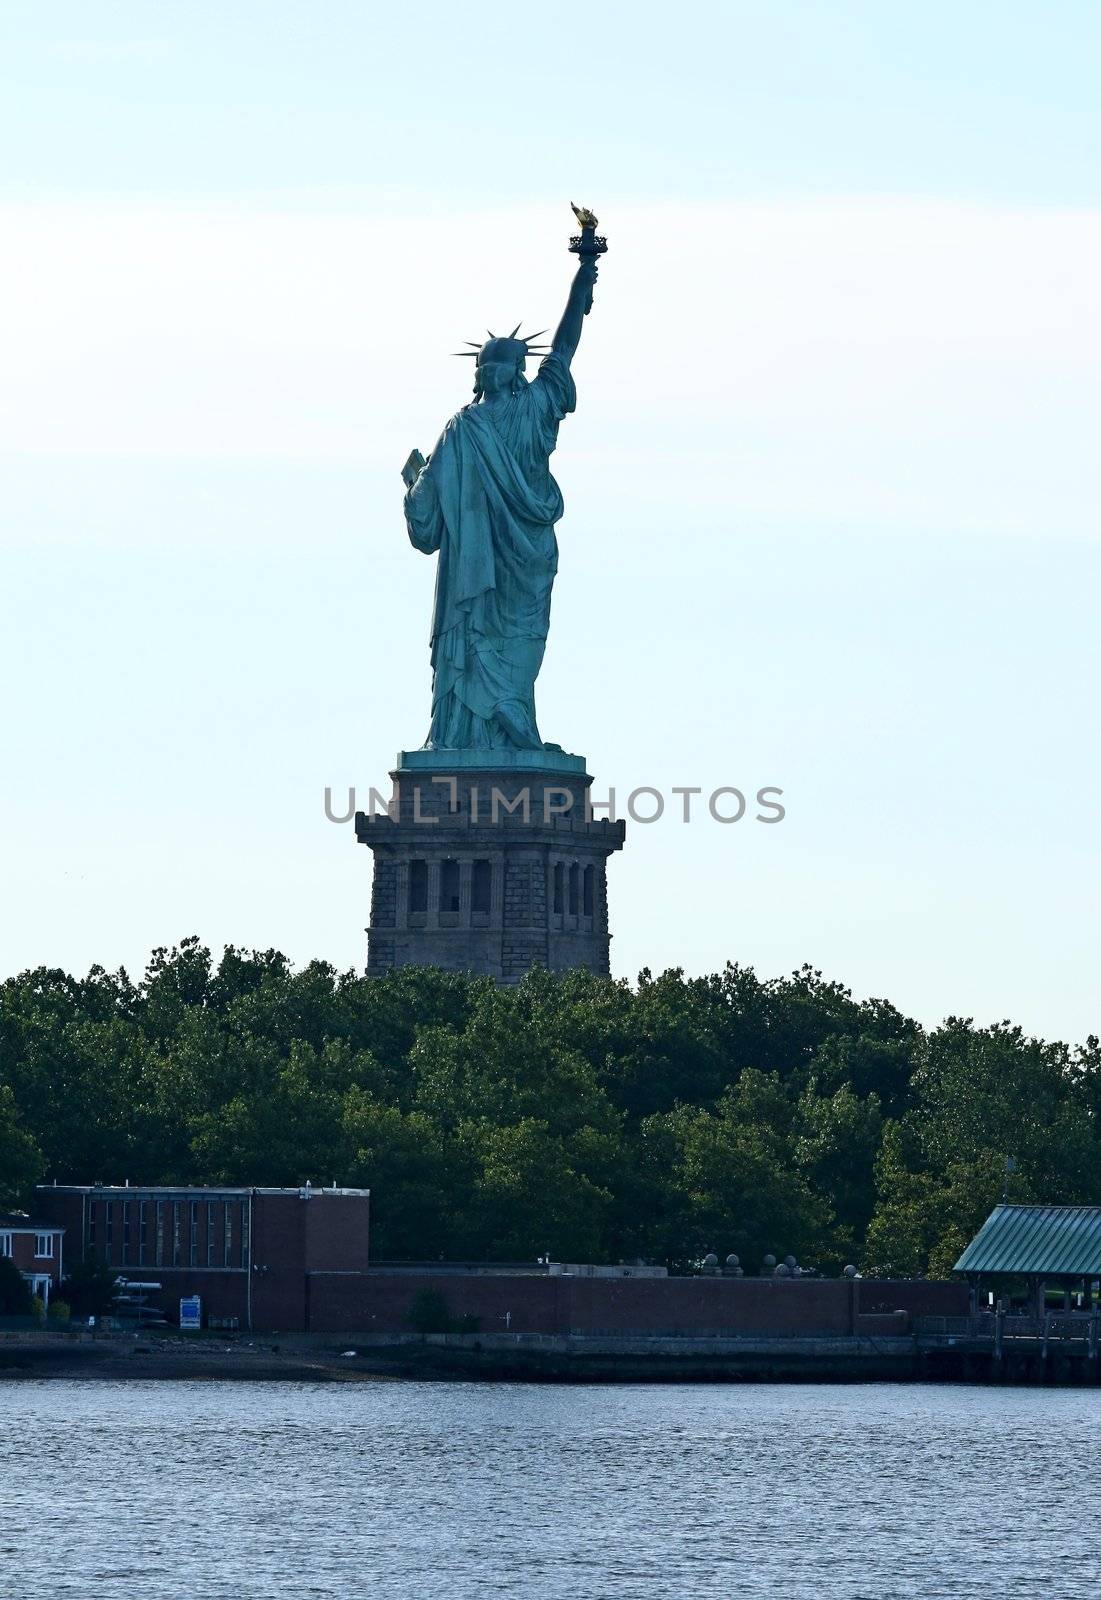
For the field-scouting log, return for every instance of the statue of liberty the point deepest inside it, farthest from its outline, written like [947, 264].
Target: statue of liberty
[486, 501]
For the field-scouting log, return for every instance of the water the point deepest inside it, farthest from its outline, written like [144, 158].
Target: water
[244, 1491]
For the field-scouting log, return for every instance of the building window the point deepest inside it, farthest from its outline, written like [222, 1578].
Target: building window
[92, 1206]
[193, 1233]
[587, 882]
[143, 1231]
[126, 1233]
[160, 1233]
[108, 1230]
[175, 1233]
[211, 1232]
[5, 1244]
[481, 887]
[44, 1246]
[228, 1240]
[418, 887]
[449, 885]
[574, 894]
[558, 900]
[244, 1233]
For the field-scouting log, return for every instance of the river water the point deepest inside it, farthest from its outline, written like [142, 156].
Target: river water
[245, 1491]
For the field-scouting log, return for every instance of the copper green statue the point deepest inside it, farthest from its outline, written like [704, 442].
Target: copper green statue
[486, 501]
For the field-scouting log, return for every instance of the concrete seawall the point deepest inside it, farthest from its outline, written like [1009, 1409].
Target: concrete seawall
[544, 1358]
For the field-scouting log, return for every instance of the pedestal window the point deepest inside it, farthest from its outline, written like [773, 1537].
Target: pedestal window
[418, 888]
[481, 888]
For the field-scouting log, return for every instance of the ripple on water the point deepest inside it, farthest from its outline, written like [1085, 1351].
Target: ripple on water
[230, 1490]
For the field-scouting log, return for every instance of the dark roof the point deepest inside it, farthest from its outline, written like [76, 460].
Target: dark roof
[1057, 1240]
[14, 1222]
[183, 1191]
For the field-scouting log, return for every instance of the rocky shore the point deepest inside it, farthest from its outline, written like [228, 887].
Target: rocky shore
[530, 1357]
[540, 1358]
[170, 1356]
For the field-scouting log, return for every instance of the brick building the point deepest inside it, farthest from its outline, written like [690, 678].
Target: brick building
[36, 1247]
[296, 1261]
[251, 1255]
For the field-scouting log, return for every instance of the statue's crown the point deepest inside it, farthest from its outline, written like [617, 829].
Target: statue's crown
[511, 346]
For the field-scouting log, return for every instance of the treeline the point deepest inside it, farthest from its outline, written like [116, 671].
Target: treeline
[572, 1114]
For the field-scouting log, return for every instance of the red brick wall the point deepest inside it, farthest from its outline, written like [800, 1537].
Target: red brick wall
[279, 1262]
[64, 1211]
[279, 1231]
[278, 1296]
[279, 1300]
[224, 1294]
[380, 1301]
[22, 1253]
[707, 1305]
[935, 1299]
[882, 1324]
[337, 1232]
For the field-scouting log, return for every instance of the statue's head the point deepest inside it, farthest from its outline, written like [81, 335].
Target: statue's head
[500, 366]
[500, 362]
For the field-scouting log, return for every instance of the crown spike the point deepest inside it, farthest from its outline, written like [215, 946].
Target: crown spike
[528, 340]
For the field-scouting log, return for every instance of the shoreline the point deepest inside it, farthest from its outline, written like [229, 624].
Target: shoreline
[499, 1358]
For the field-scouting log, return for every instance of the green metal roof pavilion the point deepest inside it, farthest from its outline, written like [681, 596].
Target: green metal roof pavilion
[1037, 1241]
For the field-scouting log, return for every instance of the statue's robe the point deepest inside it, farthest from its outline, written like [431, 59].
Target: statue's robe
[487, 502]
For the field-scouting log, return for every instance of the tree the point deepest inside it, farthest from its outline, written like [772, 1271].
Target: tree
[416, 1176]
[21, 1163]
[979, 1096]
[737, 1185]
[284, 1136]
[571, 1112]
[90, 1288]
[837, 1140]
[16, 1299]
[529, 1194]
[429, 1312]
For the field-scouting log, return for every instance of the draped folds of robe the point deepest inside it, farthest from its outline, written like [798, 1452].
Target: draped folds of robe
[486, 501]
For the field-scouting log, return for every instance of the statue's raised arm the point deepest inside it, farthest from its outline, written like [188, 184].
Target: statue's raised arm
[588, 248]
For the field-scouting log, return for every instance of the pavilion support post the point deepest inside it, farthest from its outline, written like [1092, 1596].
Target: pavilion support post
[999, 1337]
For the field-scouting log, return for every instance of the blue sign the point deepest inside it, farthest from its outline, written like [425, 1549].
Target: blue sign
[191, 1312]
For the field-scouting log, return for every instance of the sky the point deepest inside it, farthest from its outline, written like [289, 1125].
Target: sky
[831, 487]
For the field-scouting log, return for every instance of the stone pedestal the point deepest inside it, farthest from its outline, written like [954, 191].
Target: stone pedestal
[489, 869]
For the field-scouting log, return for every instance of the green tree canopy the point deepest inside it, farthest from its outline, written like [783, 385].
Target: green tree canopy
[571, 1113]
[21, 1162]
[16, 1299]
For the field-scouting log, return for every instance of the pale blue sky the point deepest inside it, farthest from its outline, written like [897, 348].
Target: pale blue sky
[992, 100]
[831, 490]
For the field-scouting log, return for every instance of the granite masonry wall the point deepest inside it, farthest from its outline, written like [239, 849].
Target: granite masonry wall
[489, 872]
